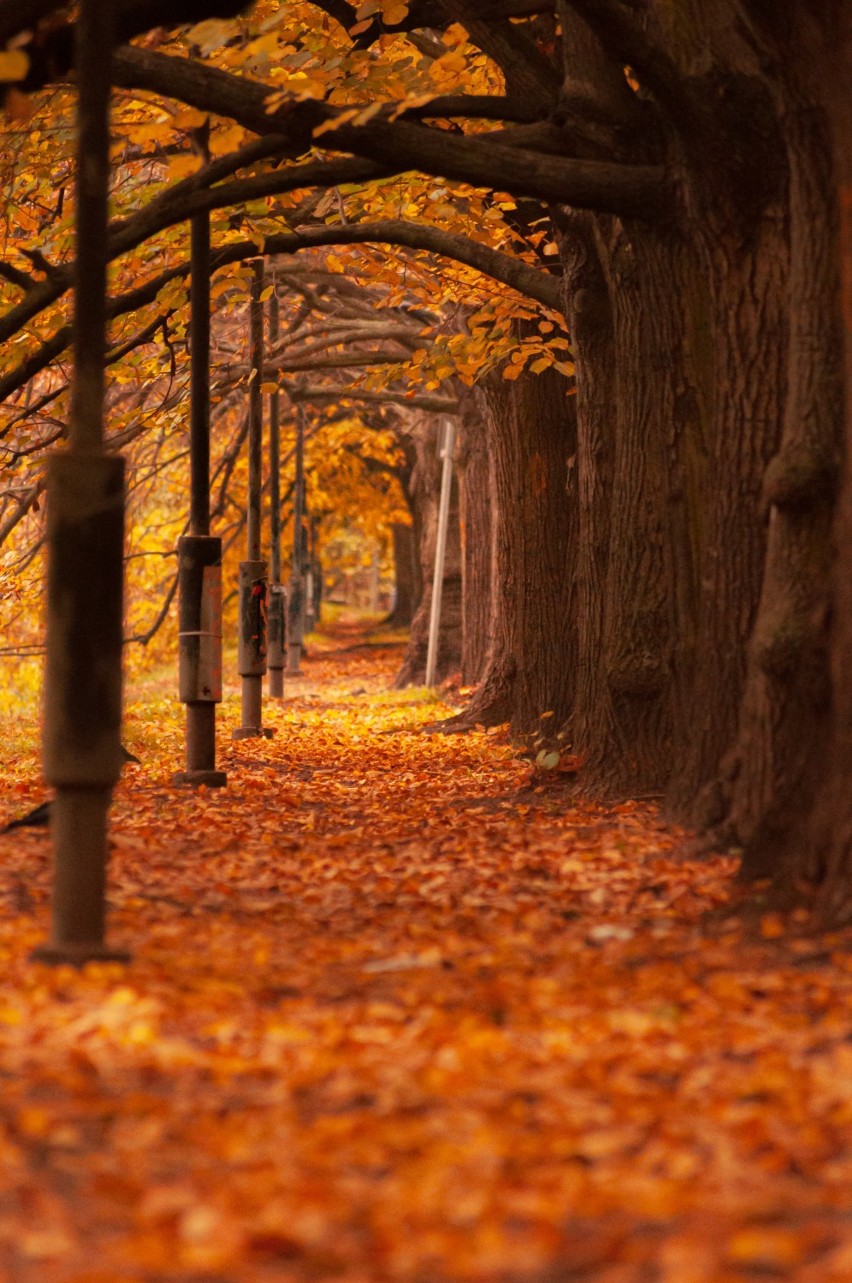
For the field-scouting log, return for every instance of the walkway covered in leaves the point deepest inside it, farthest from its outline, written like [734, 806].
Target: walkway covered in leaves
[399, 1011]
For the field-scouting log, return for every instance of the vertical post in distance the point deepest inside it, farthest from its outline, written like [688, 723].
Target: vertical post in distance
[446, 453]
[85, 487]
[200, 553]
[277, 593]
[253, 582]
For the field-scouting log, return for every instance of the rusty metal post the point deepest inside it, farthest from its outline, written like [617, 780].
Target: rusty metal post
[200, 553]
[82, 703]
[276, 622]
[253, 584]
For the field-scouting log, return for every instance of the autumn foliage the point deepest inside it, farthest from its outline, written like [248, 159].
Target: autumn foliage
[400, 1010]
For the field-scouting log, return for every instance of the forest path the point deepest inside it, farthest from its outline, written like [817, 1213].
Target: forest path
[398, 1010]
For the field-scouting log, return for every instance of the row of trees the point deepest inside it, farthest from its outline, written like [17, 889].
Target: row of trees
[657, 552]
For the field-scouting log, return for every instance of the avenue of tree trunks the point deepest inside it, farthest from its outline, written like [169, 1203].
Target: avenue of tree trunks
[656, 509]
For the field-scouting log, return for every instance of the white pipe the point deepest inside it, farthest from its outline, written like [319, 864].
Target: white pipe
[440, 549]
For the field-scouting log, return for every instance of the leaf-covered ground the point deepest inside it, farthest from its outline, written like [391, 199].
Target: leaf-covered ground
[398, 1010]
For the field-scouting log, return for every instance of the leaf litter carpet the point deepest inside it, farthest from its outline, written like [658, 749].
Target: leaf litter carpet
[399, 1010]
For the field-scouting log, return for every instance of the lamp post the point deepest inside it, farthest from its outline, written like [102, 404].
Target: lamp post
[277, 593]
[85, 487]
[199, 552]
[253, 584]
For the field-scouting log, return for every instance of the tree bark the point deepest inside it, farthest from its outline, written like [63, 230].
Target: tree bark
[531, 426]
[424, 491]
[780, 753]
[634, 577]
[478, 527]
[406, 576]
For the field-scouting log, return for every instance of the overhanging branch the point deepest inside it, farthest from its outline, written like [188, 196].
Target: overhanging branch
[505, 268]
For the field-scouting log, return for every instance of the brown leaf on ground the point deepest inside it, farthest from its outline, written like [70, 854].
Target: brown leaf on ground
[392, 1015]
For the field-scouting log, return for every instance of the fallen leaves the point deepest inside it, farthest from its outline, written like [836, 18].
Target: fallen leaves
[393, 1016]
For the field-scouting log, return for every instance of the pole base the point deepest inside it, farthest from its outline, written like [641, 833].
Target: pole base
[77, 955]
[252, 733]
[210, 779]
[276, 683]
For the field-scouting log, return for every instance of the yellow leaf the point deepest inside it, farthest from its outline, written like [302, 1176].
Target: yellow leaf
[328, 126]
[189, 118]
[183, 166]
[394, 11]
[408, 104]
[267, 293]
[14, 64]
[455, 61]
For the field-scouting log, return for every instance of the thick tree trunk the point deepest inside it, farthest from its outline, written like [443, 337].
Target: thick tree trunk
[780, 753]
[478, 539]
[532, 437]
[406, 576]
[589, 315]
[817, 848]
[638, 486]
[747, 275]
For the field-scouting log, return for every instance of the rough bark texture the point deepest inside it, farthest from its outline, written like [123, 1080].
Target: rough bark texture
[531, 431]
[478, 527]
[780, 752]
[636, 610]
[406, 576]
[833, 808]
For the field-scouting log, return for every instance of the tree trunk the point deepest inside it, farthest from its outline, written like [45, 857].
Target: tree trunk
[638, 485]
[425, 491]
[406, 575]
[478, 538]
[531, 427]
[780, 753]
[801, 831]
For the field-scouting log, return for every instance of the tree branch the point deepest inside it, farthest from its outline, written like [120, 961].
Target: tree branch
[638, 191]
[505, 268]
[626, 42]
[51, 52]
[438, 404]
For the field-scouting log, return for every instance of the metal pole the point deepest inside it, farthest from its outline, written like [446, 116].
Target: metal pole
[296, 594]
[82, 707]
[253, 583]
[199, 413]
[199, 553]
[255, 430]
[275, 616]
[440, 550]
